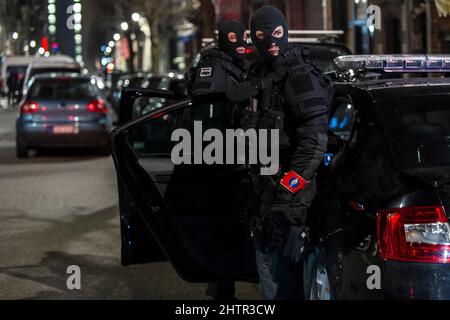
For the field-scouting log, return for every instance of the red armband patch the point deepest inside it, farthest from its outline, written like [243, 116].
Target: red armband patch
[293, 182]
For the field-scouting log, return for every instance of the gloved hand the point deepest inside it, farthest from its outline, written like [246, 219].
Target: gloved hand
[278, 221]
[296, 245]
[242, 91]
[283, 228]
[281, 213]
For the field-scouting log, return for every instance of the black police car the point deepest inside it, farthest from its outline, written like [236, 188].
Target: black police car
[379, 223]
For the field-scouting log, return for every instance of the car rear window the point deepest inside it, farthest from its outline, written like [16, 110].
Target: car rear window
[63, 89]
[36, 71]
[419, 130]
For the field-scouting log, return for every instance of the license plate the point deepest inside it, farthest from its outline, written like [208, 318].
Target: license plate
[66, 130]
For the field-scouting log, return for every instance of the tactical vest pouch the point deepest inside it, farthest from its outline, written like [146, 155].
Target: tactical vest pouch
[266, 119]
[274, 119]
[306, 91]
[279, 123]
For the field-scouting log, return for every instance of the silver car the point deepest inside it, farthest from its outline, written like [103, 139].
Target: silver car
[63, 110]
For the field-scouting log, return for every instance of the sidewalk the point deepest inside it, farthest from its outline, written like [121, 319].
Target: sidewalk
[4, 105]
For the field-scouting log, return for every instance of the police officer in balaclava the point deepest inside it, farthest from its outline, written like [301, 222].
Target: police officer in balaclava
[215, 71]
[218, 68]
[293, 97]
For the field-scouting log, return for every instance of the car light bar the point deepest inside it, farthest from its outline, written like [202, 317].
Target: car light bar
[394, 63]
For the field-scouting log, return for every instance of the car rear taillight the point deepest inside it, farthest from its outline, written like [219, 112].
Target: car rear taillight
[98, 105]
[30, 107]
[416, 234]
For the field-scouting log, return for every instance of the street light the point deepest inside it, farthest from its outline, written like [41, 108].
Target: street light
[136, 17]
[124, 26]
[116, 37]
[33, 44]
[15, 36]
[111, 44]
[77, 7]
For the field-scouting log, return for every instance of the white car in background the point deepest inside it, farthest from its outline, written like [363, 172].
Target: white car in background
[28, 66]
[53, 64]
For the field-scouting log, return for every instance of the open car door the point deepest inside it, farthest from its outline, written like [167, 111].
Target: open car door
[138, 244]
[199, 215]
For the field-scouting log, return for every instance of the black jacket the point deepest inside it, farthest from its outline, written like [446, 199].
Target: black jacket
[297, 103]
[215, 72]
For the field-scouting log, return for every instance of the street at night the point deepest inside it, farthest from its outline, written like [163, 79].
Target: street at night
[216, 157]
[66, 213]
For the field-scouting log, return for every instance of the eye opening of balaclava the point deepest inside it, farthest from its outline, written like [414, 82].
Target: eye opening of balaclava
[267, 19]
[235, 50]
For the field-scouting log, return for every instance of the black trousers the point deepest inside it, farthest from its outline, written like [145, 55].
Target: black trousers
[11, 98]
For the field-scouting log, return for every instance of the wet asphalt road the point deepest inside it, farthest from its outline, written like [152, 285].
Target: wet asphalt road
[60, 208]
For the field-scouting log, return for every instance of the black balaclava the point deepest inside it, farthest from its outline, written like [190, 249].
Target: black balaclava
[230, 47]
[267, 19]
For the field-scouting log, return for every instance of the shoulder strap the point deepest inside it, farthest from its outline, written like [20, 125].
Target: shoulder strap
[232, 70]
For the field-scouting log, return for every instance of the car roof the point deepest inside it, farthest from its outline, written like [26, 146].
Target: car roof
[56, 75]
[325, 45]
[396, 88]
[54, 64]
[173, 75]
[131, 76]
[29, 59]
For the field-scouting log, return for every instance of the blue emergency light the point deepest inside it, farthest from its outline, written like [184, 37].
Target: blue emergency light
[328, 159]
[394, 63]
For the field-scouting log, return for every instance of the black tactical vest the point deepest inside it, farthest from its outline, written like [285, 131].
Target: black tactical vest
[293, 90]
[213, 72]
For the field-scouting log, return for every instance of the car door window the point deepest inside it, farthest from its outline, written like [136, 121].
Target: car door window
[145, 105]
[343, 119]
[135, 103]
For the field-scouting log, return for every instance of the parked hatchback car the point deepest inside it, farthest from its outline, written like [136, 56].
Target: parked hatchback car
[63, 110]
[383, 189]
[54, 64]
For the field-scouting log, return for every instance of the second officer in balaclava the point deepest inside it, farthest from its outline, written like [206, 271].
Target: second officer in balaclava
[293, 97]
[218, 68]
